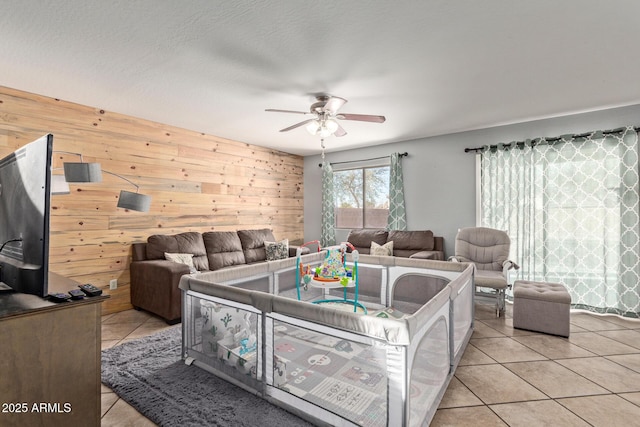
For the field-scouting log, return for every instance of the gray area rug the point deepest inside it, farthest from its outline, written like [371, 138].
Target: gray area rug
[149, 374]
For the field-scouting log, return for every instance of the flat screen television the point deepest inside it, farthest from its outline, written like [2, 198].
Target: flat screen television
[25, 202]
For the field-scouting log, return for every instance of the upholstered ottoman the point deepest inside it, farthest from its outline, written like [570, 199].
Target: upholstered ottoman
[541, 307]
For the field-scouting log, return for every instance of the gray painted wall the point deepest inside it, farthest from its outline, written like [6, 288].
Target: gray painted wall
[439, 176]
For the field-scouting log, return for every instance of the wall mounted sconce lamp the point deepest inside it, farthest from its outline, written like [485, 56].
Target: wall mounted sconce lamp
[133, 201]
[92, 172]
[81, 172]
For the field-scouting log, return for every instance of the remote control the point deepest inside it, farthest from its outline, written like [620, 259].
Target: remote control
[76, 294]
[59, 297]
[90, 290]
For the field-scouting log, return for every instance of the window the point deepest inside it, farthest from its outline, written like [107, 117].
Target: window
[362, 197]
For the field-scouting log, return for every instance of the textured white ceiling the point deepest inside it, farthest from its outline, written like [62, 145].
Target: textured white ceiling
[431, 67]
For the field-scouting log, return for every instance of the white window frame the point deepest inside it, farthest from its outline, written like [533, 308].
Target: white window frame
[360, 166]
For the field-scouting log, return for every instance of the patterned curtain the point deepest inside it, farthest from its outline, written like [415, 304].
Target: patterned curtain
[570, 206]
[397, 219]
[328, 232]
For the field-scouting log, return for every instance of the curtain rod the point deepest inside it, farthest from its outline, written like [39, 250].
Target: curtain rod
[579, 135]
[364, 160]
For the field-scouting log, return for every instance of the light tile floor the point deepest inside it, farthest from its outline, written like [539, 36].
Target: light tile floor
[507, 377]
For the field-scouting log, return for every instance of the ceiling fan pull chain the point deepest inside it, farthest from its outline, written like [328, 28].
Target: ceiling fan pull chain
[322, 145]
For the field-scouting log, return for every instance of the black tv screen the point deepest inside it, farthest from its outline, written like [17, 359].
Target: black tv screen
[25, 201]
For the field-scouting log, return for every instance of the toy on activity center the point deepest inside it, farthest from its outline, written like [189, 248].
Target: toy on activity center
[332, 273]
[333, 268]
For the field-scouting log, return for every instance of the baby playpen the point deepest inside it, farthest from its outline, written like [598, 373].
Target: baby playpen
[318, 355]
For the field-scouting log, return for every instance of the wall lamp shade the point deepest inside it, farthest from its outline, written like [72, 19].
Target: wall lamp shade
[134, 201]
[59, 185]
[130, 200]
[82, 172]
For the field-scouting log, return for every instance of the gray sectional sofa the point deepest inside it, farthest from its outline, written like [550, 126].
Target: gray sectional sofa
[154, 279]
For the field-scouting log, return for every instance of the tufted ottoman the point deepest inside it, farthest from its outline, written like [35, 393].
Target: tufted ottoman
[542, 307]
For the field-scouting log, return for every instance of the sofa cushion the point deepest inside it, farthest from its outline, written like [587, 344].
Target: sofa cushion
[158, 244]
[193, 243]
[412, 240]
[253, 244]
[185, 243]
[362, 239]
[223, 249]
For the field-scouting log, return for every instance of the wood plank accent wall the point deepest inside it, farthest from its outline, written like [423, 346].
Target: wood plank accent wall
[197, 182]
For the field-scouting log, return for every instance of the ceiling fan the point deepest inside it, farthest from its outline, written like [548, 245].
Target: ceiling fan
[325, 112]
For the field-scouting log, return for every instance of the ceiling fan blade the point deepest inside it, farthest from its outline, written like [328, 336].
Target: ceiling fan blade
[361, 117]
[340, 131]
[297, 125]
[333, 104]
[286, 111]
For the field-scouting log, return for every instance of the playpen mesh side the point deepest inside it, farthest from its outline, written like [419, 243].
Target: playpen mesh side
[412, 291]
[343, 376]
[226, 338]
[429, 372]
[462, 312]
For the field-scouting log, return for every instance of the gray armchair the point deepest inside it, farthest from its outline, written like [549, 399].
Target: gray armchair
[488, 249]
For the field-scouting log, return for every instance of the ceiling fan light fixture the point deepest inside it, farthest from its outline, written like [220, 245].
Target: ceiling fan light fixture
[322, 128]
[313, 127]
[331, 125]
[324, 132]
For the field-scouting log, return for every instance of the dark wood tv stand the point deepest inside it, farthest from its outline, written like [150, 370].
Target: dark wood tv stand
[50, 359]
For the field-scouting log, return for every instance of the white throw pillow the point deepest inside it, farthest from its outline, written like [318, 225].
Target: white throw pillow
[186, 259]
[384, 250]
[277, 250]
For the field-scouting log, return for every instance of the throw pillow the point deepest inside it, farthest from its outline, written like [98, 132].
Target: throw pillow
[382, 250]
[186, 259]
[277, 250]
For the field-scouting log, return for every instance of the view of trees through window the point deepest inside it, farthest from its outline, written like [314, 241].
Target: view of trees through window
[362, 197]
